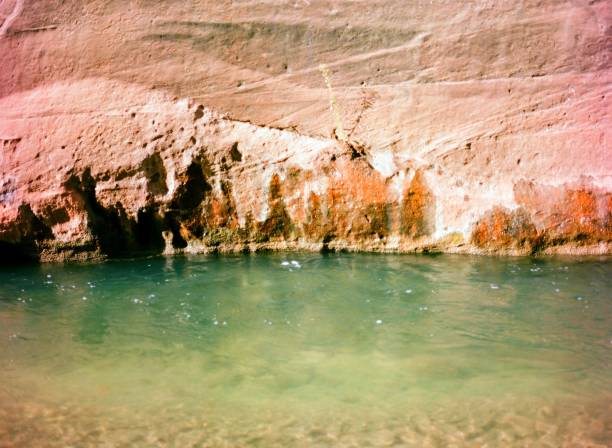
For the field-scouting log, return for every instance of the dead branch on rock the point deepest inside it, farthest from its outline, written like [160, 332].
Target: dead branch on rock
[333, 105]
[366, 102]
[354, 148]
[17, 9]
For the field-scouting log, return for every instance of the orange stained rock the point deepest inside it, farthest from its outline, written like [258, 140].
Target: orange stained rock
[492, 231]
[185, 232]
[501, 228]
[356, 202]
[278, 222]
[275, 190]
[218, 215]
[358, 183]
[567, 213]
[293, 189]
[417, 208]
[314, 226]
[579, 208]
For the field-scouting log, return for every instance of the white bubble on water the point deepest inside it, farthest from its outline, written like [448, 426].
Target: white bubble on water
[379, 322]
[83, 298]
[494, 286]
[49, 276]
[409, 291]
[285, 263]
[296, 264]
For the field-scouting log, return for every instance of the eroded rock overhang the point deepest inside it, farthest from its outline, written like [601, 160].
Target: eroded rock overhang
[176, 127]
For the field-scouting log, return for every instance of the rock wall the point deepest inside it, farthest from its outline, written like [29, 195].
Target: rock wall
[132, 127]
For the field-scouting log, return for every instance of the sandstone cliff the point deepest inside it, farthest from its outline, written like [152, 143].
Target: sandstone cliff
[387, 125]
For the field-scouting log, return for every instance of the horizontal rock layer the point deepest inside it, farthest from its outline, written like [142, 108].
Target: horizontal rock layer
[145, 127]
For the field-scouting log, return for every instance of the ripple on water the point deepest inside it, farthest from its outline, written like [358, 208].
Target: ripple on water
[356, 350]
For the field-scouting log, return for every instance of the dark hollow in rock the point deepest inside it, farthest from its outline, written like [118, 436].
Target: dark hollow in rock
[155, 171]
[21, 240]
[199, 113]
[192, 190]
[235, 154]
[114, 231]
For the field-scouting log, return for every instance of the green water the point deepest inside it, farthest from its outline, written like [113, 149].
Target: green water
[338, 350]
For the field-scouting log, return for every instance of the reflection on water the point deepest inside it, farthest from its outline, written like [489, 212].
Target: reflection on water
[307, 350]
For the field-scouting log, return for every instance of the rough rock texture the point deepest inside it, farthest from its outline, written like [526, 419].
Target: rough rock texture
[159, 127]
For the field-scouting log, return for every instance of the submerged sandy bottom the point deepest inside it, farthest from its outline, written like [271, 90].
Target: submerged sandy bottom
[307, 350]
[471, 423]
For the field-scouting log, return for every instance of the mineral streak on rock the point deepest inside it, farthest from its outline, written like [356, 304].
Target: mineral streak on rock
[571, 215]
[502, 229]
[211, 130]
[418, 208]
[277, 225]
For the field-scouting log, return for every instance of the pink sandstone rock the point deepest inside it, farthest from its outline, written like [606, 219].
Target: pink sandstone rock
[168, 127]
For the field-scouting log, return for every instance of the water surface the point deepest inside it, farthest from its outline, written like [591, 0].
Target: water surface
[307, 350]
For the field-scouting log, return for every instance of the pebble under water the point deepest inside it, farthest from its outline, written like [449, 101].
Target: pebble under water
[304, 350]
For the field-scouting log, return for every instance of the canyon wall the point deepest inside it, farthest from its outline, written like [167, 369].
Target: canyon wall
[133, 127]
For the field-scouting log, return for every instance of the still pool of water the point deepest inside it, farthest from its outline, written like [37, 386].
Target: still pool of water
[307, 350]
